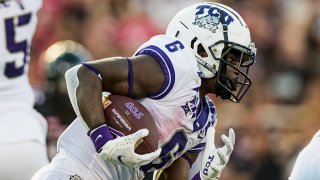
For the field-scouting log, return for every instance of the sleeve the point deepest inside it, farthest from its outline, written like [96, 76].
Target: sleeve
[166, 66]
[178, 64]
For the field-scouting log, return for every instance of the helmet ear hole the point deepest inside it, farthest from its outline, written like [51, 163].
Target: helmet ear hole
[201, 51]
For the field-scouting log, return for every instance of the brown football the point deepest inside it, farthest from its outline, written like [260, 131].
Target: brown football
[125, 116]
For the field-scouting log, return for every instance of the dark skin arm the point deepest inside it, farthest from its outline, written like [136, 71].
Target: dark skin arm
[148, 78]
[179, 169]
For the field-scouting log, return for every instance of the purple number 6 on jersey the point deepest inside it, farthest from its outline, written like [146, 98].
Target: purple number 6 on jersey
[174, 46]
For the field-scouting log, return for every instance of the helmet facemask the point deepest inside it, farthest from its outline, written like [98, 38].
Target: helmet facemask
[233, 89]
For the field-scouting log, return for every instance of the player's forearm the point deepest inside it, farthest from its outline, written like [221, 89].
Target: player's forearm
[85, 89]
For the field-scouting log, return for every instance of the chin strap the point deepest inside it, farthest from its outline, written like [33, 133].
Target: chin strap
[225, 86]
[222, 91]
[207, 66]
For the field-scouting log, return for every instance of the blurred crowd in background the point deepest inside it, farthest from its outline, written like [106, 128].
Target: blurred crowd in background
[275, 120]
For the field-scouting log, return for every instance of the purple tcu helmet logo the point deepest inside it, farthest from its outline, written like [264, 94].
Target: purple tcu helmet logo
[208, 17]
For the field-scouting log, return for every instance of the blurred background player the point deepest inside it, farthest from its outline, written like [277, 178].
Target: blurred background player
[307, 164]
[23, 130]
[53, 102]
[207, 49]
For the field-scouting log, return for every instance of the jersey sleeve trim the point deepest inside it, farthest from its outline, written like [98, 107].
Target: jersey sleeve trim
[167, 69]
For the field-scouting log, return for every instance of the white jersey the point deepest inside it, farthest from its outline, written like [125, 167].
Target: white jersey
[17, 26]
[19, 121]
[182, 118]
[23, 130]
[307, 163]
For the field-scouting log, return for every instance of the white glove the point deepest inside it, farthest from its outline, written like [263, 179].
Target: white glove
[215, 159]
[121, 150]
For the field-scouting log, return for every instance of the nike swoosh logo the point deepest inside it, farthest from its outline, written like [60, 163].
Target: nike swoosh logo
[119, 158]
[98, 137]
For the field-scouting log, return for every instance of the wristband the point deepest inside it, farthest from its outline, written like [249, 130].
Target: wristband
[100, 136]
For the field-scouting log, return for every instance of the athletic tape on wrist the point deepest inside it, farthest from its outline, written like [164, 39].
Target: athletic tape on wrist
[100, 136]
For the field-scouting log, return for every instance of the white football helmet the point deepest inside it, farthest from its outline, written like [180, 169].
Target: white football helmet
[217, 29]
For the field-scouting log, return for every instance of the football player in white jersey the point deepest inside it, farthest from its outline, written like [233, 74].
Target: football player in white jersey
[207, 49]
[23, 130]
[307, 164]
